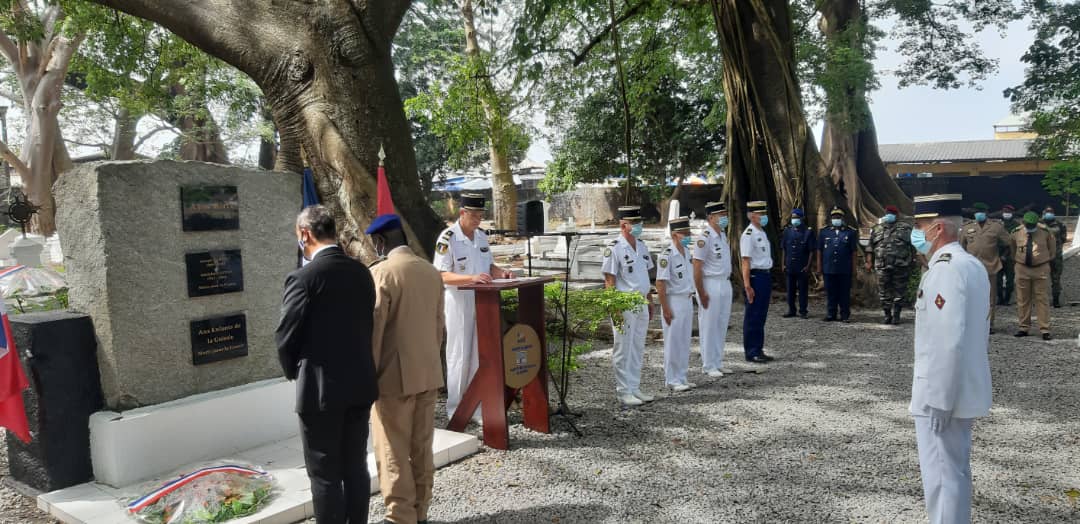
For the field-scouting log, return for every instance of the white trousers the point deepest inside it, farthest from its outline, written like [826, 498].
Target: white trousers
[677, 339]
[630, 350]
[713, 322]
[462, 357]
[945, 463]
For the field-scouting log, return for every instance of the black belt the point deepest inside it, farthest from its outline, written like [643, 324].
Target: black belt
[759, 271]
[1041, 264]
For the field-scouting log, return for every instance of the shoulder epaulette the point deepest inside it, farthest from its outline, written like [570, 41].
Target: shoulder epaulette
[667, 251]
[1040, 224]
[945, 257]
[447, 234]
[749, 230]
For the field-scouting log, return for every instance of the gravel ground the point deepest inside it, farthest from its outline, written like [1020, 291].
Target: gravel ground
[822, 435]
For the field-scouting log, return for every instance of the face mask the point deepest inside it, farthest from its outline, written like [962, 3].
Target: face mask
[764, 220]
[980, 217]
[796, 222]
[918, 239]
[890, 218]
[723, 222]
[836, 222]
[685, 241]
[1031, 229]
[1006, 216]
[1048, 216]
[635, 230]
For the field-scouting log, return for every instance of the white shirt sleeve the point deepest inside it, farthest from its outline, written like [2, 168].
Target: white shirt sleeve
[444, 254]
[486, 258]
[664, 273]
[611, 261]
[746, 245]
[946, 306]
[701, 248]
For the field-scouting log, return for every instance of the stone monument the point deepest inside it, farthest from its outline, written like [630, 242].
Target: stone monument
[180, 266]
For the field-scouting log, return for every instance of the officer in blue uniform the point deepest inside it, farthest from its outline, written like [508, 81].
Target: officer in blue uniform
[756, 255]
[837, 249]
[799, 245]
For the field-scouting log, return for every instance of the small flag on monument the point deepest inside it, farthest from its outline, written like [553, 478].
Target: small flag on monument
[12, 383]
[384, 204]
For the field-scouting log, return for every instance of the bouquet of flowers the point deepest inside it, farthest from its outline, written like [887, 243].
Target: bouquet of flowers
[211, 494]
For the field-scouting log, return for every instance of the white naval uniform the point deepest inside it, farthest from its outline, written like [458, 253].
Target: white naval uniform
[713, 251]
[630, 266]
[455, 253]
[952, 373]
[678, 273]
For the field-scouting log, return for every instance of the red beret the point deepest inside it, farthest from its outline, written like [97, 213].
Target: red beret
[892, 209]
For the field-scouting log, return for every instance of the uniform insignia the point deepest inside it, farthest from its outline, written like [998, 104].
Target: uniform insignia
[680, 275]
[449, 233]
[939, 301]
[945, 257]
[607, 251]
[484, 249]
[663, 262]
[441, 248]
[700, 243]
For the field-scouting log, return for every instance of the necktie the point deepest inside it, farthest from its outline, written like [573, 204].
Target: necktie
[1027, 257]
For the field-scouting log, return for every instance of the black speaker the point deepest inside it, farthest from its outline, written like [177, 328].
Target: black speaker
[530, 218]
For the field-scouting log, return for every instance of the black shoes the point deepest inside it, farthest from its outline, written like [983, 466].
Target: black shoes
[760, 359]
[802, 315]
[789, 314]
[1020, 334]
[830, 319]
[1057, 302]
[1046, 336]
[888, 316]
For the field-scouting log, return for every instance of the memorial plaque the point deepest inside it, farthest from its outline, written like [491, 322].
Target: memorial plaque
[521, 356]
[210, 208]
[218, 338]
[214, 272]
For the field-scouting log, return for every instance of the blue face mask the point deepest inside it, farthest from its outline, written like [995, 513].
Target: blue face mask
[723, 222]
[918, 239]
[635, 230]
[764, 220]
[980, 217]
[685, 241]
[837, 222]
[1048, 216]
[890, 218]
[796, 222]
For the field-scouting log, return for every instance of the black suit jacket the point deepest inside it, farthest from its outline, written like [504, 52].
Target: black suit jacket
[324, 338]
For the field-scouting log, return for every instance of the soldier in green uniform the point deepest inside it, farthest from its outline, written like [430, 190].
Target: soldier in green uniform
[1007, 276]
[1058, 263]
[890, 257]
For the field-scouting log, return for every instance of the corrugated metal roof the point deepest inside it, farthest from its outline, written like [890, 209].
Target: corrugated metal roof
[965, 151]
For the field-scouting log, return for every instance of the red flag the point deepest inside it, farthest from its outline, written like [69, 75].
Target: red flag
[384, 204]
[12, 383]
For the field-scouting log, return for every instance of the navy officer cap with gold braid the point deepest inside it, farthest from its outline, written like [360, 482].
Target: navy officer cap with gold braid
[938, 205]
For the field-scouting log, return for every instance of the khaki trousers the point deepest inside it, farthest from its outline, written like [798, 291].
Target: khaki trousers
[1033, 288]
[402, 429]
[994, 277]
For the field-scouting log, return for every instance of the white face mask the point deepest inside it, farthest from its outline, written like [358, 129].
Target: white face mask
[1006, 216]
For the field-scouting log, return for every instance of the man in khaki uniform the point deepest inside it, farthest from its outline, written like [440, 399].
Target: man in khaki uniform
[987, 240]
[406, 341]
[1035, 247]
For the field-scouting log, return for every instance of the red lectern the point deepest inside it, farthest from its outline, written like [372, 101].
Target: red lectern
[489, 387]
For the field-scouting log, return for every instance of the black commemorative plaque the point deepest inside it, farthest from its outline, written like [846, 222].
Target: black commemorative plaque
[214, 272]
[210, 208]
[219, 338]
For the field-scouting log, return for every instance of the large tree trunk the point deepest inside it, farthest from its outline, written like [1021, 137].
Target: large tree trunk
[200, 137]
[267, 144]
[771, 154]
[849, 146]
[326, 72]
[124, 132]
[503, 191]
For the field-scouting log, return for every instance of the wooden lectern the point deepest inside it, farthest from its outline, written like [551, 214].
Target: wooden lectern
[489, 388]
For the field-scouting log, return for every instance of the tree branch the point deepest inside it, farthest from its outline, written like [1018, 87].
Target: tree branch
[9, 50]
[603, 35]
[20, 167]
[156, 130]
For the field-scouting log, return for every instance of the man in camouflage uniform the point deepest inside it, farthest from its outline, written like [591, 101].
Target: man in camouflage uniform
[1057, 228]
[891, 256]
[1006, 276]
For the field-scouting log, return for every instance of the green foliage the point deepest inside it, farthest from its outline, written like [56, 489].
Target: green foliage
[1063, 180]
[589, 310]
[1051, 89]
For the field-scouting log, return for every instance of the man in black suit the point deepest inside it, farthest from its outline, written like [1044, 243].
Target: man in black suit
[324, 343]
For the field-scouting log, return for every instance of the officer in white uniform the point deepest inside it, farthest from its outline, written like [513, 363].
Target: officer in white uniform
[951, 386]
[712, 277]
[463, 256]
[626, 267]
[756, 254]
[674, 286]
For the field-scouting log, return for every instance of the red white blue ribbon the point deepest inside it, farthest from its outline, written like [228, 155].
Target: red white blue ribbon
[156, 495]
[7, 271]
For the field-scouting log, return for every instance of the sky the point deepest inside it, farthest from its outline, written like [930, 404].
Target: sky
[923, 114]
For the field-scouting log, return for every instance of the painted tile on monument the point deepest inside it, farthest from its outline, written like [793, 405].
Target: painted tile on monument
[214, 272]
[218, 338]
[210, 208]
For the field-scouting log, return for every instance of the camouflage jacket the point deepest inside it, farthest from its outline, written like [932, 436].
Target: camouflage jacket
[891, 245]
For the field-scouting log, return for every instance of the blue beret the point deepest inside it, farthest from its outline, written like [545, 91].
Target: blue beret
[383, 223]
[797, 212]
